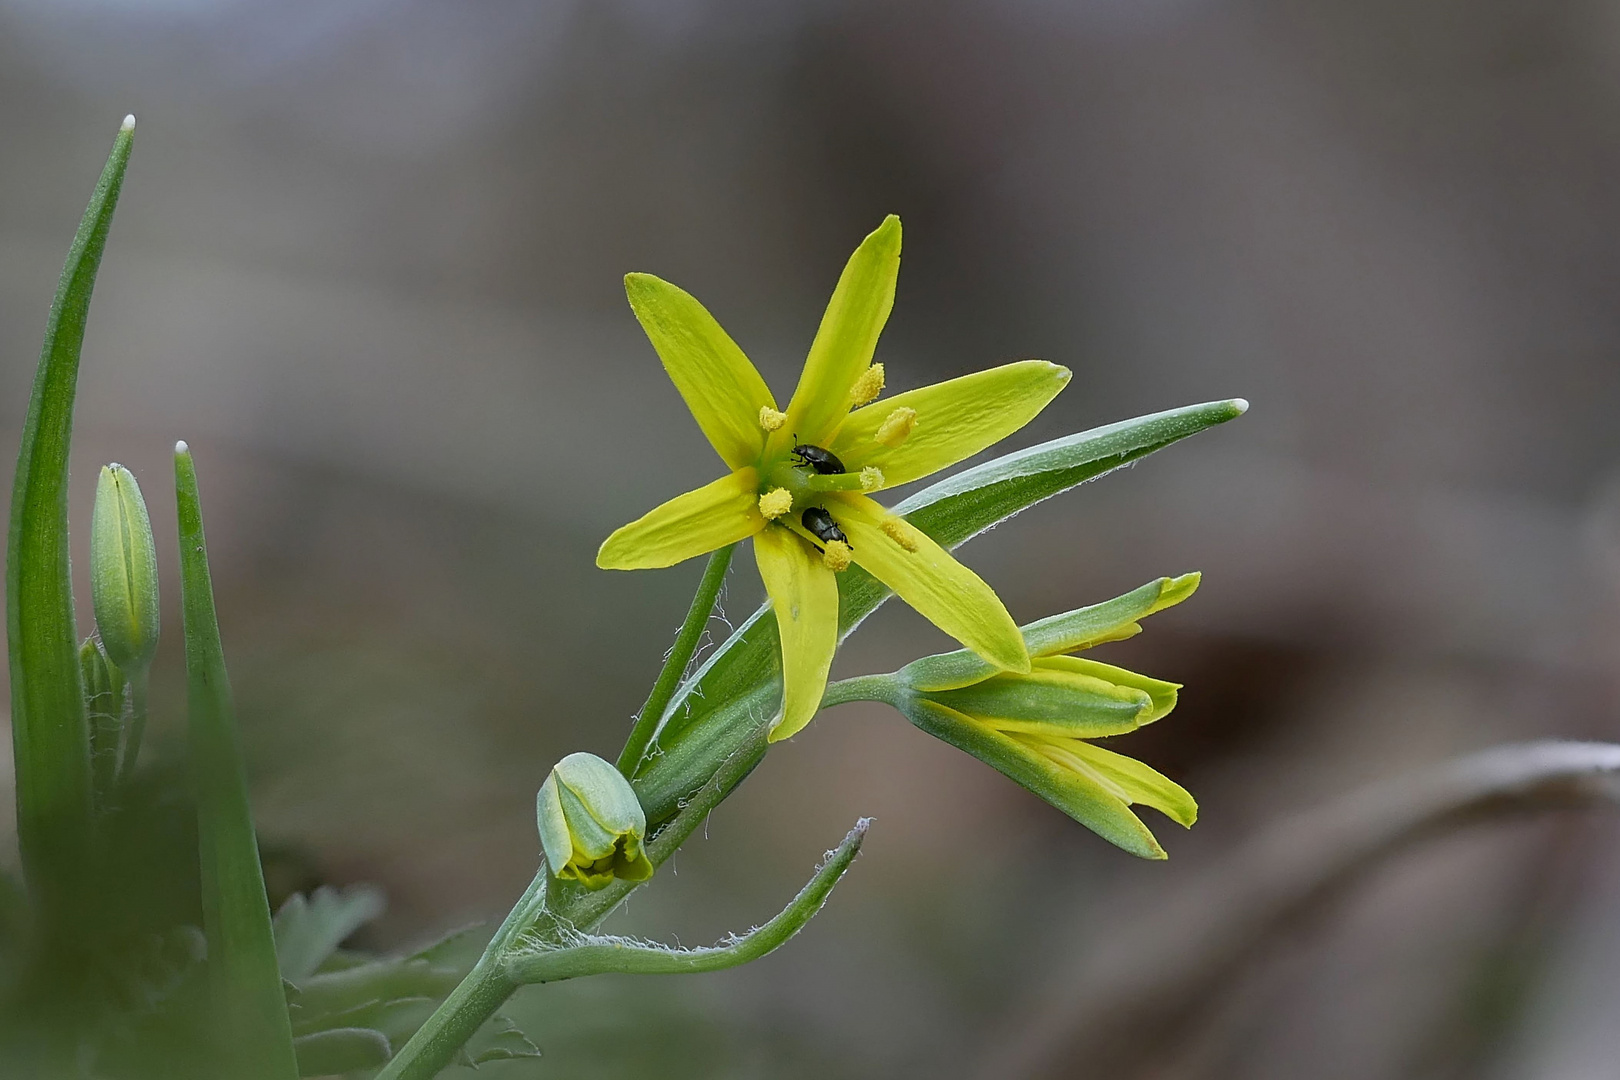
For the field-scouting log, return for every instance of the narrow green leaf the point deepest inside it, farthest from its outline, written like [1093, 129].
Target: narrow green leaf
[242, 967]
[603, 955]
[739, 684]
[50, 738]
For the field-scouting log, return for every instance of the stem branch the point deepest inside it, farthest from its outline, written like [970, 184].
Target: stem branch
[680, 654]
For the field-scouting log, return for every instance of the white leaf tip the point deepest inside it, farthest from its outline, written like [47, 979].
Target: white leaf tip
[128, 124]
[1241, 405]
[181, 447]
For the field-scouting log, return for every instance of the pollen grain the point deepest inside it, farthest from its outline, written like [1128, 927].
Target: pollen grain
[900, 532]
[774, 503]
[867, 387]
[836, 556]
[896, 429]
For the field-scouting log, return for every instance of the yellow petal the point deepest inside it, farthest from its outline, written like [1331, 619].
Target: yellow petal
[924, 575]
[1126, 778]
[804, 594]
[955, 419]
[848, 336]
[1161, 694]
[700, 521]
[1077, 794]
[721, 386]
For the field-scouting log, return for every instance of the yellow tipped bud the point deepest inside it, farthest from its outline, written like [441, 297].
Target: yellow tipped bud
[836, 556]
[123, 572]
[591, 825]
[900, 532]
[897, 428]
[774, 503]
[770, 419]
[871, 478]
[867, 387]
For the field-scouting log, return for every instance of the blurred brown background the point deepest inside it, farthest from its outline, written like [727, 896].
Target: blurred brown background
[368, 263]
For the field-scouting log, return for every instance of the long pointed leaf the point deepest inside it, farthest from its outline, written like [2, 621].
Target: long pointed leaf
[739, 685]
[50, 739]
[256, 1036]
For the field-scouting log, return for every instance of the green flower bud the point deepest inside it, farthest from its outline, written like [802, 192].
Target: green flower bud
[123, 572]
[591, 825]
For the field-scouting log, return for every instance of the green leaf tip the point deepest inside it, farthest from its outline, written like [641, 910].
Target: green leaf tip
[50, 741]
[243, 970]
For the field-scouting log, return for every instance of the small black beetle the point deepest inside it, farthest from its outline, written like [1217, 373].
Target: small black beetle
[822, 526]
[818, 459]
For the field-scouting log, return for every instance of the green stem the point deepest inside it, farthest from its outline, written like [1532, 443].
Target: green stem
[680, 654]
[137, 729]
[882, 688]
[598, 956]
[474, 1001]
[569, 910]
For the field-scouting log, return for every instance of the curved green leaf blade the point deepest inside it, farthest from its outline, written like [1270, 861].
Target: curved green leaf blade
[603, 955]
[50, 739]
[254, 1030]
[738, 685]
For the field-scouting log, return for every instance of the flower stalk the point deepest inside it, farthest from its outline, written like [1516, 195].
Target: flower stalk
[680, 655]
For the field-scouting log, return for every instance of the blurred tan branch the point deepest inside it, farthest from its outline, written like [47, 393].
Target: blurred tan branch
[1149, 989]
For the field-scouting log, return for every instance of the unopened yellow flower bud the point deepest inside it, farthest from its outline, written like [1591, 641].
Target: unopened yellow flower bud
[836, 556]
[770, 419]
[896, 429]
[123, 572]
[591, 825]
[867, 387]
[774, 503]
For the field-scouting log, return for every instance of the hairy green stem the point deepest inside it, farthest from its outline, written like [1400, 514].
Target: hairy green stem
[136, 731]
[680, 654]
[548, 914]
[596, 956]
[474, 1001]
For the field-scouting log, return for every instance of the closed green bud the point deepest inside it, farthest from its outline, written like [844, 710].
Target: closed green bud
[123, 572]
[591, 825]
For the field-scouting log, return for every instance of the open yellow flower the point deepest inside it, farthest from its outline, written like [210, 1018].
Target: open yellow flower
[800, 480]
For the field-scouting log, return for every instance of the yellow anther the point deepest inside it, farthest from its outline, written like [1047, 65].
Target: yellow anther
[774, 503]
[901, 533]
[871, 478]
[836, 555]
[897, 428]
[867, 387]
[770, 419]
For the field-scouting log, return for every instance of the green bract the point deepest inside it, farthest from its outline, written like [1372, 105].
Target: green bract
[123, 571]
[591, 826]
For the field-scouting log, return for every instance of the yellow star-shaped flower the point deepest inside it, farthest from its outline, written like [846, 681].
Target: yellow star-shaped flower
[801, 479]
